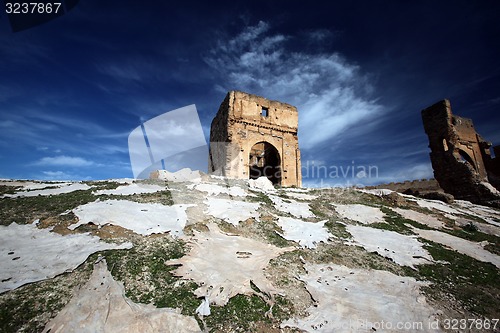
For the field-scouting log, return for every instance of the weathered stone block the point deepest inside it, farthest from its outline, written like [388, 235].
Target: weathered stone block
[252, 136]
[460, 157]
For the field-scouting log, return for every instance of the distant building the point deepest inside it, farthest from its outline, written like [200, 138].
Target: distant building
[252, 136]
[461, 158]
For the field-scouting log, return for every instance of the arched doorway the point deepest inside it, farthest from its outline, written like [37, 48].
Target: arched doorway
[265, 161]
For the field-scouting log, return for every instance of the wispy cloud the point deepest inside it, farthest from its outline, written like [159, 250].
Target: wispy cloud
[7, 92]
[418, 171]
[22, 49]
[31, 127]
[137, 68]
[127, 72]
[145, 109]
[332, 95]
[320, 35]
[61, 175]
[63, 160]
[65, 121]
[401, 172]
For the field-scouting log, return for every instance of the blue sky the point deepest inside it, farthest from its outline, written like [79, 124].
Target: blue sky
[360, 72]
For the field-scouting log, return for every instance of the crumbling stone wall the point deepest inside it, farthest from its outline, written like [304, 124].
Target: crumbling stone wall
[460, 157]
[252, 136]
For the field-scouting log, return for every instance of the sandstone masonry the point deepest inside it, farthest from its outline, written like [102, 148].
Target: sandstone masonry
[460, 157]
[252, 136]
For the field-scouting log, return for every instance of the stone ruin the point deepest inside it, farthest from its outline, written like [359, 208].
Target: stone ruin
[252, 136]
[461, 158]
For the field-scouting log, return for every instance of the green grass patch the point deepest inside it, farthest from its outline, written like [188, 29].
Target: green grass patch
[30, 307]
[162, 197]
[368, 199]
[24, 210]
[243, 313]
[102, 184]
[493, 248]
[320, 209]
[148, 280]
[260, 197]
[337, 229]
[146, 277]
[475, 236]
[19, 312]
[397, 223]
[272, 237]
[6, 189]
[238, 314]
[268, 230]
[475, 284]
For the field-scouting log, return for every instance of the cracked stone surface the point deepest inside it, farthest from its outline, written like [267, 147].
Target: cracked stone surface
[357, 300]
[101, 306]
[224, 265]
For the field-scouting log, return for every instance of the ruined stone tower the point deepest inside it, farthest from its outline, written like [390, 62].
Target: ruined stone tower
[460, 157]
[252, 136]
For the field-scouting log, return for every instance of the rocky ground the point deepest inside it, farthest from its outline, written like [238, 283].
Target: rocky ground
[200, 253]
[422, 186]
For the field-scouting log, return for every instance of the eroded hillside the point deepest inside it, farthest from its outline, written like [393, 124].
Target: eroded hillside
[227, 256]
